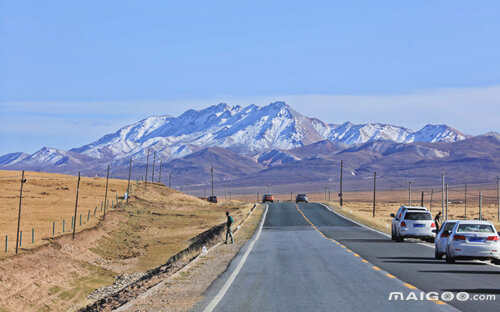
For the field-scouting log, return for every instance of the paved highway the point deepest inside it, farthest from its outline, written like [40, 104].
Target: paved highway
[309, 259]
[412, 261]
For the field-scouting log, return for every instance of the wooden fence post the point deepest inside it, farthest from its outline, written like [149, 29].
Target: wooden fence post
[76, 204]
[23, 180]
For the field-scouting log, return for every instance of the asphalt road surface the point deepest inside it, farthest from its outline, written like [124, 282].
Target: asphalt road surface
[295, 266]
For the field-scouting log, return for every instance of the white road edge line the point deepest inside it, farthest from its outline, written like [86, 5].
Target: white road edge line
[387, 235]
[153, 289]
[211, 306]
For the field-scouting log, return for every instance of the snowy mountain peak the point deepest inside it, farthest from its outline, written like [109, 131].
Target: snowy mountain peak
[249, 130]
[438, 133]
[12, 158]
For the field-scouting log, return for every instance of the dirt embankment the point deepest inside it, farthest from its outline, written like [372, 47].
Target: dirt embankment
[157, 224]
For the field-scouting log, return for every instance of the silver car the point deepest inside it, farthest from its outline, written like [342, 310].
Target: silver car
[413, 223]
[470, 239]
[441, 241]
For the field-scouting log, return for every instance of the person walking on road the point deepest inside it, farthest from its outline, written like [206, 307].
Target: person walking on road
[437, 221]
[229, 222]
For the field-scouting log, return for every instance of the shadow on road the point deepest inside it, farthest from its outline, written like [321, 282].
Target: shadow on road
[463, 272]
[421, 260]
[475, 291]
[367, 240]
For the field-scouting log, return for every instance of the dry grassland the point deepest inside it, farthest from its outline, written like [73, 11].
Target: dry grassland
[359, 205]
[49, 198]
[58, 276]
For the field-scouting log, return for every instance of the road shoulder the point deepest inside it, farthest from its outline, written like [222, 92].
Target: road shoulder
[195, 285]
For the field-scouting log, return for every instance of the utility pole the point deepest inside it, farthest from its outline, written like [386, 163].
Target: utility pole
[129, 174]
[154, 160]
[76, 204]
[212, 174]
[106, 193]
[147, 165]
[430, 200]
[325, 193]
[442, 193]
[409, 193]
[446, 216]
[480, 205]
[341, 195]
[498, 199]
[159, 175]
[374, 190]
[422, 200]
[170, 180]
[465, 202]
[23, 180]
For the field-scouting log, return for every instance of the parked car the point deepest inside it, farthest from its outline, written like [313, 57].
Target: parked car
[473, 239]
[212, 199]
[412, 223]
[301, 198]
[441, 240]
[268, 198]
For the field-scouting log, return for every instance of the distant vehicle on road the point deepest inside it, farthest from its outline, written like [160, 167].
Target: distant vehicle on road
[301, 198]
[441, 240]
[268, 198]
[412, 222]
[471, 239]
[212, 199]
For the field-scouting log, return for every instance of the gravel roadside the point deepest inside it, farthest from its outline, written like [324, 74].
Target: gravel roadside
[183, 290]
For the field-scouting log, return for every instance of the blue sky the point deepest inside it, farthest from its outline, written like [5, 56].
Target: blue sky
[72, 71]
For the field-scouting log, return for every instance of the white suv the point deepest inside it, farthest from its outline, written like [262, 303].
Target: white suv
[471, 239]
[412, 222]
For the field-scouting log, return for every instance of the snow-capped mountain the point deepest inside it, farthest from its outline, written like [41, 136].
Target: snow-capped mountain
[12, 158]
[250, 129]
[243, 129]
[49, 158]
[349, 133]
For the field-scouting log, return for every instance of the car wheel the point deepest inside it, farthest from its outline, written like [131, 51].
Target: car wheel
[399, 238]
[449, 258]
[437, 255]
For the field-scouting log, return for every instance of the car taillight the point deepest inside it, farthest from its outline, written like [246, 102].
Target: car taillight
[403, 224]
[493, 238]
[433, 225]
[459, 237]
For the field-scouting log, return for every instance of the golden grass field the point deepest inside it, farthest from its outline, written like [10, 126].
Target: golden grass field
[49, 198]
[58, 276]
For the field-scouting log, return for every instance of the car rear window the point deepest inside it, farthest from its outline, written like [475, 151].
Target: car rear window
[480, 228]
[449, 226]
[418, 216]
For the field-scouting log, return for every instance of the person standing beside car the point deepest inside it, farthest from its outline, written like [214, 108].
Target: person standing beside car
[437, 221]
[229, 223]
